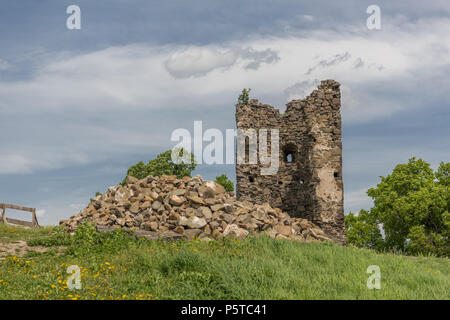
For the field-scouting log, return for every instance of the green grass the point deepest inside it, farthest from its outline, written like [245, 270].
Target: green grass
[9, 233]
[115, 266]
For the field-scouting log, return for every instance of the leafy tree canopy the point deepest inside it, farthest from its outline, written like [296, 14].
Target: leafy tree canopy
[363, 231]
[412, 204]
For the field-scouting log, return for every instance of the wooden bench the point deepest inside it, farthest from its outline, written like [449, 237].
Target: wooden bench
[34, 223]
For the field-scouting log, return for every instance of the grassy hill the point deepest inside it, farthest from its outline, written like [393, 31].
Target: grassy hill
[116, 266]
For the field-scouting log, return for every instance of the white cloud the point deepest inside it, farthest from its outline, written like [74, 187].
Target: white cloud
[334, 60]
[134, 79]
[139, 76]
[306, 17]
[4, 65]
[198, 61]
[301, 89]
[14, 163]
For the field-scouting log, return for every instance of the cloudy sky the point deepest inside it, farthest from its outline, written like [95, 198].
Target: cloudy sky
[78, 107]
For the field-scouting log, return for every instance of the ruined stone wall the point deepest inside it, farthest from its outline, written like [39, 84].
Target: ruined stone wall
[308, 183]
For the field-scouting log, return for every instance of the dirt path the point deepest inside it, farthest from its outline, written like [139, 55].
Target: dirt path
[20, 248]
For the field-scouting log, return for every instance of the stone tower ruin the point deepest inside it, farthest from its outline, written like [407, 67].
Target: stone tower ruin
[308, 183]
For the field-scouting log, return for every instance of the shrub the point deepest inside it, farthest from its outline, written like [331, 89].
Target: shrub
[58, 237]
[225, 182]
[86, 239]
[163, 164]
[244, 97]
[363, 231]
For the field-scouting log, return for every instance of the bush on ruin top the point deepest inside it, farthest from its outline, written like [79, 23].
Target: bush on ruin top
[244, 97]
[163, 165]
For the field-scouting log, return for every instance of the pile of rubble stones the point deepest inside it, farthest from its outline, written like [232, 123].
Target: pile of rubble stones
[170, 208]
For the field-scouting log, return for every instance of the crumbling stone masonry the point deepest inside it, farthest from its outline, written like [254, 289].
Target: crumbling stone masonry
[308, 183]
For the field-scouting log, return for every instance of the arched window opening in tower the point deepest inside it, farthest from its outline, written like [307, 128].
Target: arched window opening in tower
[289, 153]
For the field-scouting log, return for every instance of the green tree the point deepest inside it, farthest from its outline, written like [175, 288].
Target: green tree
[244, 97]
[225, 182]
[163, 164]
[412, 205]
[443, 174]
[363, 230]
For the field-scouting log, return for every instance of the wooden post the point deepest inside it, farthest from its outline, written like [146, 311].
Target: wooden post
[34, 219]
[2, 219]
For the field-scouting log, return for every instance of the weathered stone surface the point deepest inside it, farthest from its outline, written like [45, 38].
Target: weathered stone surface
[179, 192]
[191, 233]
[156, 205]
[146, 205]
[196, 199]
[205, 212]
[215, 187]
[179, 229]
[135, 208]
[308, 183]
[196, 222]
[217, 207]
[271, 233]
[182, 221]
[176, 200]
[170, 208]
[170, 235]
[228, 218]
[130, 180]
[167, 235]
[234, 231]
[284, 230]
[217, 234]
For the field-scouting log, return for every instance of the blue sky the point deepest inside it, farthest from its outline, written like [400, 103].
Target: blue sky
[78, 107]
